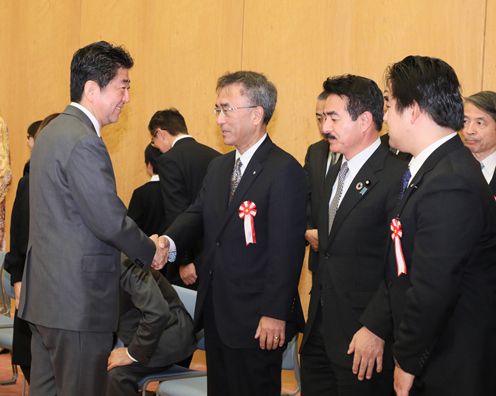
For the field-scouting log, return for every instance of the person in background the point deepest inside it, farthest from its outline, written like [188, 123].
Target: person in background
[146, 207]
[479, 132]
[181, 168]
[15, 258]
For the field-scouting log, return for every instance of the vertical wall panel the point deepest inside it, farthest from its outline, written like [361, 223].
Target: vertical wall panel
[489, 67]
[179, 48]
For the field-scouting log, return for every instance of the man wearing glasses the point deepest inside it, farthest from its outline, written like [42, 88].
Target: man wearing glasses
[181, 170]
[251, 210]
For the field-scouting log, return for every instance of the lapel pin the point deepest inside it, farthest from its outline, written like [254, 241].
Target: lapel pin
[254, 172]
[367, 182]
[359, 186]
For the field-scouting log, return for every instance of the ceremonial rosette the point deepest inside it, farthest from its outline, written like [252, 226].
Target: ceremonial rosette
[247, 211]
[396, 234]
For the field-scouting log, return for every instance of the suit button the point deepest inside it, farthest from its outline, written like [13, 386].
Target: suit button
[217, 243]
[326, 256]
[210, 273]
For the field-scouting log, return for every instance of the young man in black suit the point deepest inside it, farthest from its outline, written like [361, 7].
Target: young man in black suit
[146, 207]
[359, 195]
[479, 132]
[251, 212]
[440, 289]
[181, 169]
[317, 163]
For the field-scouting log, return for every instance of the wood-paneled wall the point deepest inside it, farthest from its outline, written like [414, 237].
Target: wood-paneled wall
[180, 47]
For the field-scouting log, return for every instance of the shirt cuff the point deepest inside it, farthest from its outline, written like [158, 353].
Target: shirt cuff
[172, 250]
[130, 357]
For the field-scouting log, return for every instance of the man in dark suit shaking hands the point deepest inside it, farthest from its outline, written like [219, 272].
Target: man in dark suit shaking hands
[78, 226]
[440, 288]
[251, 210]
[359, 194]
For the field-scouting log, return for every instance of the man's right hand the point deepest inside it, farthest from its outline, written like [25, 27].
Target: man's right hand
[17, 293]
[188, 273]
[312, 236]
[161, 253]
[367, 349]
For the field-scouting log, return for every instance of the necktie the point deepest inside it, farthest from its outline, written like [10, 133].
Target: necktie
[404, 181]
[235, 178]
[333, 207]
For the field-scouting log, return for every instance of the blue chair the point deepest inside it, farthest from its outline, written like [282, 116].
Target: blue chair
[198, 386]
[188, 298]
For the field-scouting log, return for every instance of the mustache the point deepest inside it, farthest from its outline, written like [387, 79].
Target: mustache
[328, 136]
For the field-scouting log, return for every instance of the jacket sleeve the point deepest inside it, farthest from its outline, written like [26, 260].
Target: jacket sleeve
[155, 313]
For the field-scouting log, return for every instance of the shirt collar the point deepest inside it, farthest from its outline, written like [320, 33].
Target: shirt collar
[489, 166]
[155, 178]
[356, 163]
[246, 156]
[180, 137]
[417, 162]
[90, 116]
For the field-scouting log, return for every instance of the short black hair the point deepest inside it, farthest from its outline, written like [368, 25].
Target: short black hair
[97, 62]
[151, 155]
[33, 128]
[170, 120]
[362, 93]
[485, 101]
[432, 84]
[259, 90]
[323, 95]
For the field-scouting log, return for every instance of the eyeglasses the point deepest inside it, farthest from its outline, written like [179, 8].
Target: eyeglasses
[228, 110]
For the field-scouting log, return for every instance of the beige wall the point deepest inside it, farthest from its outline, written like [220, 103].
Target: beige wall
[180, 48]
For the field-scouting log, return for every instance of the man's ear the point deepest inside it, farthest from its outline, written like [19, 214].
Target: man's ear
[90, 89]
[414, 112]
[366, 120]
[258, 115]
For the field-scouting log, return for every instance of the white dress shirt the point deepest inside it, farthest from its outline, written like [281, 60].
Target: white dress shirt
[354, 166]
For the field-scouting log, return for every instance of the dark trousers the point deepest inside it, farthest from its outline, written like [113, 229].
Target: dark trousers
[122, 380]
[322, 377]
[239, 372]
[68, 363]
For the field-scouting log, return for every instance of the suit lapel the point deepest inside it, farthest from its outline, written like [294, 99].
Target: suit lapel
[492, 183]
[75, 112]
[431, 162]
[322, 163]
[364, 181]
[251, 173]
[329, 181]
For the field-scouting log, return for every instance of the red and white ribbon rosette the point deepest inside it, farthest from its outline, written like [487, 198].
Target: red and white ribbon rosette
[396, 234]
[247, 211]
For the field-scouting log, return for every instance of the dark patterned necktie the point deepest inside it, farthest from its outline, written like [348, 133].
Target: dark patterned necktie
[404, 181]
[333, 207]
[235, 178]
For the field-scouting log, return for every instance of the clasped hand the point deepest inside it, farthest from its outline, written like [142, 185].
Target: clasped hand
[161, 252]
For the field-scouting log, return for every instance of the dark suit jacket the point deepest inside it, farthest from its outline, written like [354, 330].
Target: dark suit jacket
[351, 258]
[260, 279]
[146, 208]
[77, 228]
[19, 230]
[14, 265]
[181, 171]
[315, 168]
[443, 309]
[153, 323]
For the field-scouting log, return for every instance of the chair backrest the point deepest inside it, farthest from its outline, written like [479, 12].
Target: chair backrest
[188, 298]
